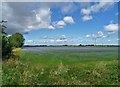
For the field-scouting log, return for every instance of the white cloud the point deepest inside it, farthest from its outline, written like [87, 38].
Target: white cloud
[87, 18]
[104, 36]
[60, 24]
[99, 34]
[42, 13]
[52, 41]
[61, 41]
[69, 19]
[88, 36]
[85, 11]
[40, 20]
[57, 41]
[101, 5]
[112, 27]
[29, 42]
[67, 7]
[51, 27]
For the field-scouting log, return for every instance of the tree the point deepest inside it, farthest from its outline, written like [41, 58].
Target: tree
[16, 40]
[6, 48]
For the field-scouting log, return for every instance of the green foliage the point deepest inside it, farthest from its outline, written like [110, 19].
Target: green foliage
[16, 40]
[6, 48]
[8, 43]
[100, 73]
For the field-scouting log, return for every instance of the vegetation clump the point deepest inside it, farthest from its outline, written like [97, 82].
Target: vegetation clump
[9, 43]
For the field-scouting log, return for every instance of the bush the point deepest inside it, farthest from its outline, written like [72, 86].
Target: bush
[6, 48]
[16, 53]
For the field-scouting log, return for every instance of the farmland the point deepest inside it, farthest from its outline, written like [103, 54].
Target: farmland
[63, 66]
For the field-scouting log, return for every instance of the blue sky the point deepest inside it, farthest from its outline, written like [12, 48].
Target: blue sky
[64, 23]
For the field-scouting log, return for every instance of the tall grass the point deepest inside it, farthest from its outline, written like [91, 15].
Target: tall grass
[102, 73]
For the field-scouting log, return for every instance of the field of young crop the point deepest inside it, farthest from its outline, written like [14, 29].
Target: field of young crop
[63, 67]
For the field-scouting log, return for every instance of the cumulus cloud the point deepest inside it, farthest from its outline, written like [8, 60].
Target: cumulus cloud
[23, 18]
[51, 27]
[87, 18]
[112, 27]
[95, 36]
[67, 7]
[69, 19]
[101, 5]
[60, 24]
[42, 19]
[85, 11]
[99, 34]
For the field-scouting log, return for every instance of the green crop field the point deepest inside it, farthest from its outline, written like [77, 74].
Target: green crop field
[63, 67]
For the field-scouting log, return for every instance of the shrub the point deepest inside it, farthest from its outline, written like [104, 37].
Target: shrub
[16, 53]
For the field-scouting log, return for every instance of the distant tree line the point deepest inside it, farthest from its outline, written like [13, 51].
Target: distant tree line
[89, 45]
[9, 43]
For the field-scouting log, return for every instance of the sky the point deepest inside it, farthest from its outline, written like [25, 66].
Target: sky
[59, 23]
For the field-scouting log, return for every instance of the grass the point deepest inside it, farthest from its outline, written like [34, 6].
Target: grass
[67, 57]
[62, 68]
